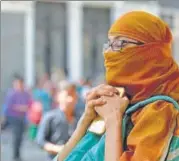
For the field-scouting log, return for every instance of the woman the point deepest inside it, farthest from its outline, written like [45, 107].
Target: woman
[137, 57]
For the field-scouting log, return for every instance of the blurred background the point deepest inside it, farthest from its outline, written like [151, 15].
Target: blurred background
[55, 40]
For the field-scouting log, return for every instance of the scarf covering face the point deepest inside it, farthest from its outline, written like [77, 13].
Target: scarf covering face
[144, 70]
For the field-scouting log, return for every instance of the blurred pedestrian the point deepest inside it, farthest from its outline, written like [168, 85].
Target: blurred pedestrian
[58, 125]
[42, 94]
[17, 104]
[34, 117]
[41, 103]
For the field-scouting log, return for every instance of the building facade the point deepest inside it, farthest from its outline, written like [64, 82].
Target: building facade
[43, 36]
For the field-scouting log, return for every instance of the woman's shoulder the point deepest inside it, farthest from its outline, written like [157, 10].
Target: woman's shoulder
[159, 108]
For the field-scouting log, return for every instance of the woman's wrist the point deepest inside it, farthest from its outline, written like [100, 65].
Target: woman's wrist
[85, 119]
[113, 142]
[89, 116]
[113, 121]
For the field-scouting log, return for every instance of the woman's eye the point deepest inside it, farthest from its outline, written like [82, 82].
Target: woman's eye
[123, 43]
[120, 43]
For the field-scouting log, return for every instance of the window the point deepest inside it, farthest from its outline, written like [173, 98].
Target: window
[96, 22]
[50, 37]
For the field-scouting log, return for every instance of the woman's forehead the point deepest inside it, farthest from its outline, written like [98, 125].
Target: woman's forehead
[119, 37]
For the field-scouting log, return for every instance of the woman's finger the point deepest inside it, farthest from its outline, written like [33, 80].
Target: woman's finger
[104, 90]
[101, 90]
[111, 88]
[98, 93]
[96, 102]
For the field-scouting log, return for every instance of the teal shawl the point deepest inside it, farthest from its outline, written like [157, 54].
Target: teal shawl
[91, 147]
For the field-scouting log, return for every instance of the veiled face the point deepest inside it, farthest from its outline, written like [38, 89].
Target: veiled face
[118, 43]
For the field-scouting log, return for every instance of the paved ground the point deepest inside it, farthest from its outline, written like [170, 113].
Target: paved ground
[30, 151]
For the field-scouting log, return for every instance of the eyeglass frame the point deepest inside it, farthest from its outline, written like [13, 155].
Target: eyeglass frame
[110, 45]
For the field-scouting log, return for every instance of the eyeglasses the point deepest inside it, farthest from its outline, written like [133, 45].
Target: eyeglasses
[118, 45]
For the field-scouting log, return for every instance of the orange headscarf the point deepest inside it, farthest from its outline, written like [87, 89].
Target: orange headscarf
[144, 70]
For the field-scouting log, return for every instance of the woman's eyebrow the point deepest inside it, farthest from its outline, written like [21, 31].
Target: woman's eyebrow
[114, 38]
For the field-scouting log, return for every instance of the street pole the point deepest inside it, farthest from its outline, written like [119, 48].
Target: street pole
[48, 47]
